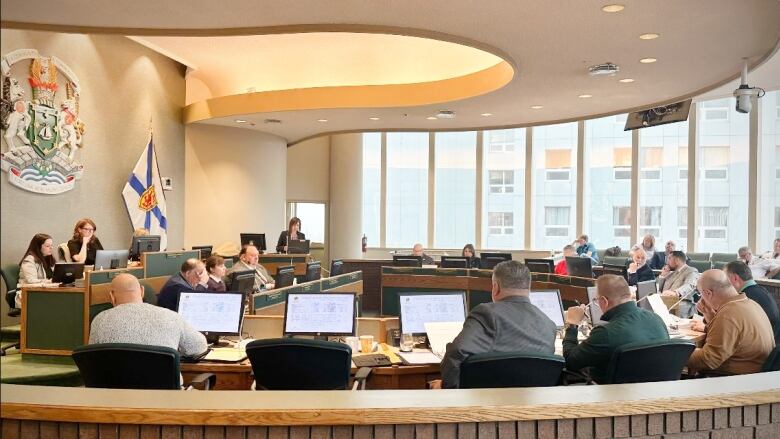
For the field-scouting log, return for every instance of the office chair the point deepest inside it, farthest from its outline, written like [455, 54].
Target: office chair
[694, 256]
[302, 364]
[772, 363]
[510, 369]
[702, 266]
[134, 366]
[10, 275]
[648, 362]
[616, 260]
[723, 257]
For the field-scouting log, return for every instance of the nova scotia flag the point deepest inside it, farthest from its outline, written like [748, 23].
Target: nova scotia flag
[144, 197]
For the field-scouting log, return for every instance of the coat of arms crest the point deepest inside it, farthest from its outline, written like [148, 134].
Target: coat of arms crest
[42, 134]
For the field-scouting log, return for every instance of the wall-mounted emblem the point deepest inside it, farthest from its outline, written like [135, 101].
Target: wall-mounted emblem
[43, 134]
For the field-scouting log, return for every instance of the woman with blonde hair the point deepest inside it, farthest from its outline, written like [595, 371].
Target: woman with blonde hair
[84, 245]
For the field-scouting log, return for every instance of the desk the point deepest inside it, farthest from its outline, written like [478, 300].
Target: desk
[272, 261]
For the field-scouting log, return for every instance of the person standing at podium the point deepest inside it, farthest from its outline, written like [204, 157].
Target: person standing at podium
[293, 233]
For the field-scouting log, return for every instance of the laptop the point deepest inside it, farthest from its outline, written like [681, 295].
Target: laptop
[644, 289]
[298, 246]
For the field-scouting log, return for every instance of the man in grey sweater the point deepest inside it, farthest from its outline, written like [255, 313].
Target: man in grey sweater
[509, 324]
[133, 321]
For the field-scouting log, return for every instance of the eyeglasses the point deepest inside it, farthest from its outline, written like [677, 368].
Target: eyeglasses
[87, 229]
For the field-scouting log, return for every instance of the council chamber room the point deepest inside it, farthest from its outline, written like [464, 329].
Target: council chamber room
[302, 219]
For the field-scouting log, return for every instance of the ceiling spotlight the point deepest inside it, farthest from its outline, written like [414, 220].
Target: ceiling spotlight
[536, 107]
[373, 118]
[613, 8]
[585, 96]
[486, 114]
[647, 60]
[432, 118]
[445, 114]
[626, 80]
[240, 121]
[322, 120]
[606, 69]
[648, 36]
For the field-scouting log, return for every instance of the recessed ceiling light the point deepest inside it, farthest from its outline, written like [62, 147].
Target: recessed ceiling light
[613, 8]
[486, 114]
[322, 120]
[373, 118]
[272, 121]
[648, 36]
[626, 80]
[647, 60]
[432, 118]
[585, 96]
[240, 121]
[536, 107]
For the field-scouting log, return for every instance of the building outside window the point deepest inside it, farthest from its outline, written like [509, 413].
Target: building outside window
[502, 182]
[650, 221]
[455, 189]
[621, 220]
[372, 187]
[407, 189]
[503, 187]
[557, 221]
[769, 167]
[500, 223]
[554, 155]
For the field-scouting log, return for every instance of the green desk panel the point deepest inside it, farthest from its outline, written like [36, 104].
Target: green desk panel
[167, 263]
[55, 320]
[330, 283]
[106, 276]
[476, 297]
[426, 271]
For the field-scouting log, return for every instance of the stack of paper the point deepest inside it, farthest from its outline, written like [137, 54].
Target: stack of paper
[442, 333]
[231, 355]
[419, 357]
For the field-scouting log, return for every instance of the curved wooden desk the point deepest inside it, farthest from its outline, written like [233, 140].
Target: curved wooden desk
[739, 406]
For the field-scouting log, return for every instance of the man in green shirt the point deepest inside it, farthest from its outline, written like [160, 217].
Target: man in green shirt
[627, 323]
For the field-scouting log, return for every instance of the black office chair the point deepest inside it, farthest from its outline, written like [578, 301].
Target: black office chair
[10, 275]
[301, 364]
[134, 366]
[510, 369]
[648, 362]
[772, 363]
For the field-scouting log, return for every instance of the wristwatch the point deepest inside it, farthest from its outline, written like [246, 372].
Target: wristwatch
[572, 325]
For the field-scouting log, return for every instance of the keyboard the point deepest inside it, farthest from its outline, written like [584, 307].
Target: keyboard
[371, 360]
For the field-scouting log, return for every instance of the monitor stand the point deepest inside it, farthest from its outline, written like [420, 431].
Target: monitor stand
[215, 342]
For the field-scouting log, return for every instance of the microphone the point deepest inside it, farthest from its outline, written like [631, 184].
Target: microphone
[693, 291]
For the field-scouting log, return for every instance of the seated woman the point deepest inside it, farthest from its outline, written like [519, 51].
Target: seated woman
[215, 267]
[469, 252]
[293, 233]
[37, 265]
[84, 245]
[639, 270]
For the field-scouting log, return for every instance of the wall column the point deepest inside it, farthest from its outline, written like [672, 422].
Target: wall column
[346, 195]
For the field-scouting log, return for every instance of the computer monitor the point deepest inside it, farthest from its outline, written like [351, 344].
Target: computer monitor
[417, 309]
[67, 273]
[594, 310]
[454, 262]
[549, 302]
[255, 239]
[243, 281]
[644, 289]
[617, 270]
[213, 313]
[540, 265]
[299, 247]
[320, 314]
[111, 259]
[336, 267]
[407, 261]
[144, 244]
[580, 267]
[313, 271]
[490, 260]
[285, 276]
[205, 250]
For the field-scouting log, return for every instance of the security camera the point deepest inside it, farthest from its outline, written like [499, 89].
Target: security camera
[745, 93]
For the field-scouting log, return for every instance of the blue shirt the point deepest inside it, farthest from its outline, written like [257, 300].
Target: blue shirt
[588, 247]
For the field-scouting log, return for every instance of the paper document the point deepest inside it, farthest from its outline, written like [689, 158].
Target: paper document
[441, 333]
[656, 302]
[419, 357]
[232, 355]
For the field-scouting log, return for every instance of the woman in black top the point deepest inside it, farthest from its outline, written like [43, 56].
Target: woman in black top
[639, 270]
[84, 245]
[292, 233]
[469, 252]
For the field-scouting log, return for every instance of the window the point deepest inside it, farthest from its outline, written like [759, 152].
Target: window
[682, 160]
[558, 164]
[554, 153]
[312, 216]
[502, 140]
[407, 189]
[714, 222]
[768, 166]
[622, 163]
[682, 222]
[621, 220]
[650, 221]
[652, 159]
[372, 187]
[715, 111]
[715, 160]
[557, 221]
[500, 223]
[455, 189]
[777, 222]
[503, 189]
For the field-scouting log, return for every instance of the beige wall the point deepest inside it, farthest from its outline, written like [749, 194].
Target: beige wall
[346, 192]
[235, 182]
[123, 85]
[308, 170]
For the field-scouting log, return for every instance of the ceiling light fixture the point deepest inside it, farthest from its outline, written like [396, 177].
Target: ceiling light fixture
[605, 69]
[272, 121]
[647, 60]
[613, 8]
[445, 114]
[432, 118]
[486, 114]
[240, 121]
[585, 96]
[626, 80]
[536, 107]
[373, 118]
[648, 36]
[322, 120]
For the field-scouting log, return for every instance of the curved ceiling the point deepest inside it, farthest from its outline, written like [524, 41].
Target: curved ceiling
[701, 46]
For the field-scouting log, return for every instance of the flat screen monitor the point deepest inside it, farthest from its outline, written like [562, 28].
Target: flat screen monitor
[549, 302]
[490, 260]
[617, 270]
[298, 246]
[255, 239]
[285, 276]
[644, 289]
[540, 265]
[67, 273]
[336, 267]
[213, 313]
[205, 250]
[594, 310]
[580, 267]
[313, 271]
[144, 244]
[407, 261]
[417, 309]
[243, 281]
[319, 314]
[111, 259]
[454, 262]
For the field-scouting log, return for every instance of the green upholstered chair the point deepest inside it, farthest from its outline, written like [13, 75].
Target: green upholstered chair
[649, 362]
[723, 257]
[693, 256]
[772, 363]
[511, 369]
[702, 266]
[616, 260]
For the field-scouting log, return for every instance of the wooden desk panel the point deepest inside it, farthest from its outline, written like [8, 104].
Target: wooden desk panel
[372, 280]
[54, 320]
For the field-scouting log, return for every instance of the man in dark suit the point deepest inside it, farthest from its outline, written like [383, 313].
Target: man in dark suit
[193, 277]
[658, 260]
[509, 324]
[741, 278]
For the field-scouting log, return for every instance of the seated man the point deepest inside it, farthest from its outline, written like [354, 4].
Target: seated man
[587, 249]
[638, 270]
[739, 335]
[678, 279]
[627, 324]
[417, 250]
[761, 268]
[560, 267]
[509, 324]
[192, 277]
[658, 260]
[133, 321]
[775, 253]
[741, 279]
[248, 261]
